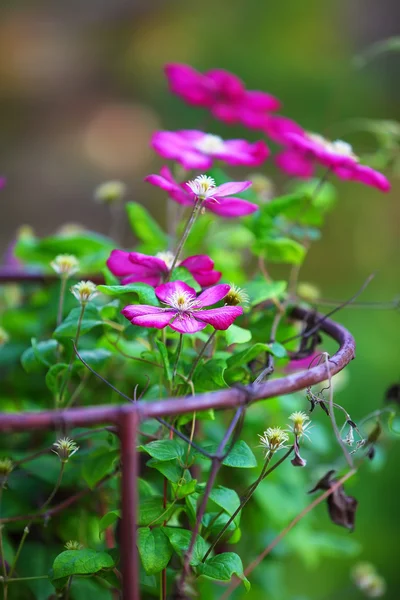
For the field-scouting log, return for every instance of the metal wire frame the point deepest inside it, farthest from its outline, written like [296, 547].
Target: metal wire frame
[126, 418]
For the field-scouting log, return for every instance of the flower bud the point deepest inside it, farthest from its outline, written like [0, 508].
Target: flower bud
[368, 581]
[110, 192]
[65, 265]
[236, 296]
[273, 439]
[308, 292]
[65, 448]
[84, 291]
[6, 467]
[73, 545]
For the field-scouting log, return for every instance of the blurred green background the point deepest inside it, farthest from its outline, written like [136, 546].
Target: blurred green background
[82, 89]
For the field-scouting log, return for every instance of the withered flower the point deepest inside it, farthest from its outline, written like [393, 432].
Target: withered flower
[341, 507]
[297, 461]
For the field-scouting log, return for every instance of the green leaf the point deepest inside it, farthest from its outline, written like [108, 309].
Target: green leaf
[170, 469]
[182, 274]
[108, 519]
[165, 360]
[278, 350]
[144, 292]
[222, 566]
[145, 227]
[68, 327]
[42, 354]
[151, 511]
[95, 358]
[80, 562]
[227, 499]
[245, 356]
[164, 450]
[281, 250]
[210, 376]
[240, 455]
[182, 489]
[180, 541]
[92, 249]
[154, 549]
[283, 204]
[214, 522]
[259, 291]
[98, 464]
[55, 377]
[237, 335]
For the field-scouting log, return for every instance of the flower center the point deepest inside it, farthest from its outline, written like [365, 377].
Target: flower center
[338, 147]
[210, 144]
[182, 301]
[167, 257]
[202, 186]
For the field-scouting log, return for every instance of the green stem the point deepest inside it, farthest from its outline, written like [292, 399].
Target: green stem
[27, 578]
[248, 494]
[188, 227]
[71, 360]
[178, 354]
[26, 529]
[61, 299]
[200, 354]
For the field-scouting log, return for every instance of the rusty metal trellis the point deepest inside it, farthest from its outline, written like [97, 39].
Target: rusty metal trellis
[126, 418]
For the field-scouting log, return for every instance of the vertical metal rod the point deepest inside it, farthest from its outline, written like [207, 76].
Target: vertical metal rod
[128, 425]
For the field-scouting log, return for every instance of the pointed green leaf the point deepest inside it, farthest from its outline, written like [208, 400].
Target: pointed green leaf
[145, 227]
[237, 335]
[222, 566]
[180, 540]
[154, 549]
[80, 562]
[145, 293]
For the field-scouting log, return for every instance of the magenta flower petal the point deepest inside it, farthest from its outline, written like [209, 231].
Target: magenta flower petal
[167, 290]
[136, 310]
[166, 182]
[157, 320]
[278, 127]
[231, 208]
[220, 318]
[262, 102]
[213, 295]
[152, 280]
[187, 83]
[187, 323]
[295, 164]
[149, 262]
[240, 152]
[365, 175]
[119, 264]
[232, 187]
[201, 267]
[198, 262]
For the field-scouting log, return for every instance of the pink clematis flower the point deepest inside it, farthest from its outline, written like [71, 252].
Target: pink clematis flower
[306, 150]
[222, 93]
[184, 311]
[135, 267]
[216, 199]
[197, 150]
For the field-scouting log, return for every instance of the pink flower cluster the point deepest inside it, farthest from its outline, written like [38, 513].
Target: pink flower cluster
[307, 149]
[184, 310]
[222, 93]
[226, 97]
[135, 267]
